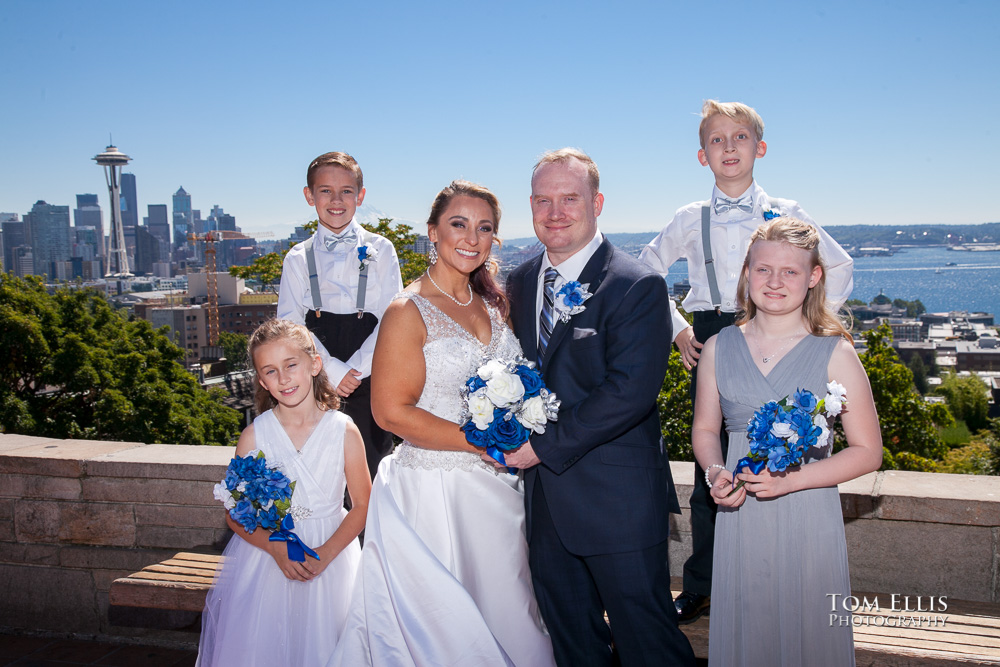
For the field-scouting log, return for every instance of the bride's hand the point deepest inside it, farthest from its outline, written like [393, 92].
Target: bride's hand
[492, 461]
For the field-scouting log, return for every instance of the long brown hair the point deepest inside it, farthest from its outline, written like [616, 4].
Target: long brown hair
[483, 278]
[821, 320]
[298, 336]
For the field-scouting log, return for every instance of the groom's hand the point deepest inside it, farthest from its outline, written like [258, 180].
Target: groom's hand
[522, 457]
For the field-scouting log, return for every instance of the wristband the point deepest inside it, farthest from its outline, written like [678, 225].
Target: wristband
[714, 465]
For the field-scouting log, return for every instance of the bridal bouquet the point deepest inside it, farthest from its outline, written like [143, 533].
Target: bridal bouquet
[505, 402]
[780, 432]
[258, 496]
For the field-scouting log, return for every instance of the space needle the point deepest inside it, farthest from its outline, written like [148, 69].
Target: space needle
[113, 160]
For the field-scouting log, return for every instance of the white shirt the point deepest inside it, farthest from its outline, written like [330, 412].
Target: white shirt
[730, 233]
[569, 270]
[337, 272]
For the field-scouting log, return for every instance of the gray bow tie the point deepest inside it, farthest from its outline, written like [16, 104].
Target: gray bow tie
[332, 241]
[723, 204]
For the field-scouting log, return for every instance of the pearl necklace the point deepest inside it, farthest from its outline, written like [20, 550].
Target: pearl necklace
[467, 303]
[756, 343]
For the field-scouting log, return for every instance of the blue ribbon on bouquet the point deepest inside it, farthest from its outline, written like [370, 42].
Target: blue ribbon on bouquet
[746, 462]
[297, 549]
[496, 454]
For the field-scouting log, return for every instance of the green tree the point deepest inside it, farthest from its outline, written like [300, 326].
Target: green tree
[266, 271]
[676, 411]
[919, 370]
[77, 368]
[967, 399]
[234, 347]
[910, 438]
[412, 264]
[912, 308]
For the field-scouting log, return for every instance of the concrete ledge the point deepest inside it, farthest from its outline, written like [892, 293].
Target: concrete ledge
[76, 515]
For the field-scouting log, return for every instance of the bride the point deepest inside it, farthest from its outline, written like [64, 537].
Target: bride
[444, 576]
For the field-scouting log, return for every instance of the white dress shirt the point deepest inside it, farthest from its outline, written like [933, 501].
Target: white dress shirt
[730, 233]
[337, 271]
[569, 270]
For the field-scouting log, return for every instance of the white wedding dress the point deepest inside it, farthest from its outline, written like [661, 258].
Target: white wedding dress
[444, 576]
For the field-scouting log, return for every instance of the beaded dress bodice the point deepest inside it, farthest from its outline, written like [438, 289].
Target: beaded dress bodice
[451, 356]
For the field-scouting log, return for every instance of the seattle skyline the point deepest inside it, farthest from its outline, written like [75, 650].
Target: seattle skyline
[869, 107]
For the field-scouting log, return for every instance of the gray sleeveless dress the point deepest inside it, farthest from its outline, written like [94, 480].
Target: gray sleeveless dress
[777, 561]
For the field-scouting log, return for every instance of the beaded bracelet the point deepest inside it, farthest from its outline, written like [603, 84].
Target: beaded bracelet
[714, 465]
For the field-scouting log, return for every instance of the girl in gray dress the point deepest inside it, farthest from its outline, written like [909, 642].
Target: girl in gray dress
[780, 552]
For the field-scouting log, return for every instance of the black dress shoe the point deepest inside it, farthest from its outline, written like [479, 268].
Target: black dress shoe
[690, 607]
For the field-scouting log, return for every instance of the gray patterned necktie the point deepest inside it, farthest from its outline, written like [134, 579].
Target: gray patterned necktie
[546, 319]
[723, 204]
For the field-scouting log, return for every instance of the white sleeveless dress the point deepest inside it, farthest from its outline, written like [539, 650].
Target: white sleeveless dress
[254, 615]
[444, 576]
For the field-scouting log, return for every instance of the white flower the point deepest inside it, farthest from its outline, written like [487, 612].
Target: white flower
[503, 387]
[832, 405]
[242, 487]
[491, 368]
[533, 414]
[835, 388]
[824, 437]
[785, 432]
[481, 409]
[222, 495]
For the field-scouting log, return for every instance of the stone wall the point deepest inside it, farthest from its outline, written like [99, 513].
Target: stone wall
[76, 515]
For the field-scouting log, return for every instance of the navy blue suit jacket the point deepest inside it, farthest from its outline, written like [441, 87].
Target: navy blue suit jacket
[604, 471]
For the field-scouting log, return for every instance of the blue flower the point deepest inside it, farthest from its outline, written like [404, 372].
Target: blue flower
[530, 379]
[507, 434]
[771, 215]
[475, 437]
[805, 400]
[245, 514]
[474, 384]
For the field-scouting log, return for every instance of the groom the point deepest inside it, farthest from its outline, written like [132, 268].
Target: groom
[597, 483]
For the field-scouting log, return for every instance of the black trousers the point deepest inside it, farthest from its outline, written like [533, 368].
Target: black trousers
[342, 335]
[698, 567]
[574, 591]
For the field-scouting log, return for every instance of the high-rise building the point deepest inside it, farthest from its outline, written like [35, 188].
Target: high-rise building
[147, 251]
[48, 230]
[130, 210]
[183, 218]
[88, 214]
[159, 226]
[15, 237]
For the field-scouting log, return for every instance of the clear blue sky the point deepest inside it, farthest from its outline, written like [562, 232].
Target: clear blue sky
[876, 112]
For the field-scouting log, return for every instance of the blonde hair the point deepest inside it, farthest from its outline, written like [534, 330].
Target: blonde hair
[737, 111]
[564, 155]
[821, 320]
[298, 336]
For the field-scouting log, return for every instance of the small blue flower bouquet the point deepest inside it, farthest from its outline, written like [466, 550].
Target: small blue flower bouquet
[258, 496]
[366, 255]
[569, 299]
[781, 432]
[505, 402]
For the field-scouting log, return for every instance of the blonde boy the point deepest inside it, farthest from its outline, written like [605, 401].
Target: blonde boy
[732, 139]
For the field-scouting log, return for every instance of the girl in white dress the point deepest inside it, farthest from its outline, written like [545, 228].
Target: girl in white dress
[266, 609]
[444, 576]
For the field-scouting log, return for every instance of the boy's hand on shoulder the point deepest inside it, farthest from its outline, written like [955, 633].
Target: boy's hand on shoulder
[349, 383]
[689, 347]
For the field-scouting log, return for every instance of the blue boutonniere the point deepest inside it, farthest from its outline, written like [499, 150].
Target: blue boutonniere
[569, 300]
[771, 215]
[366, 255]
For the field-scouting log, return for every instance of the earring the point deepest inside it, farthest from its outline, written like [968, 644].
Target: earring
[432, 254]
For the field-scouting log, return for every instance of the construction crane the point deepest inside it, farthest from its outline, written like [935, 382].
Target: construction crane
[210, 238]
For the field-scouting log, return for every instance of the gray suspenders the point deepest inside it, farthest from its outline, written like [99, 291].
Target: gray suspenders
[317, 301]
[706, 244]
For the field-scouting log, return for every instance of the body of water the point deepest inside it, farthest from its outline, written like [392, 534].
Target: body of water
[973, 284]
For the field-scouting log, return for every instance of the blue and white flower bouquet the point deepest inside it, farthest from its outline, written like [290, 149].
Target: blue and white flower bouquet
[366, 255]
[780, 432]
[505, 402]
[569, 300]
[259, 496]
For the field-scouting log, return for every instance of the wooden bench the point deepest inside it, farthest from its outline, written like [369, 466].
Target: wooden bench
[970, 635]
[167, 595]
